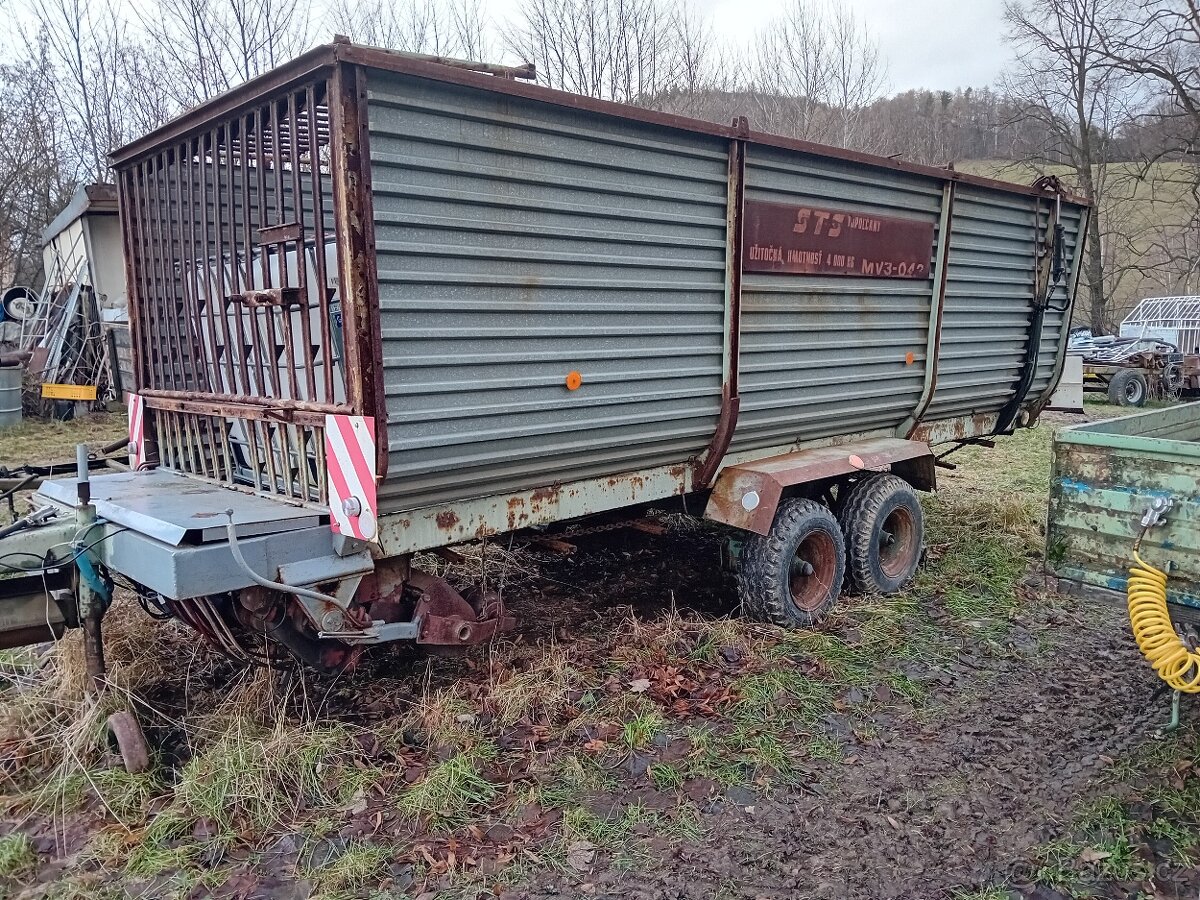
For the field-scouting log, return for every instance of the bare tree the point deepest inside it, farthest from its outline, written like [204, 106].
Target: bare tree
[33, 185]
[856, 73]
[816, 69]
[1159, 40]
[452, 28]
[84, 41]
[1064, 83]
[204, 47]
[632, 51]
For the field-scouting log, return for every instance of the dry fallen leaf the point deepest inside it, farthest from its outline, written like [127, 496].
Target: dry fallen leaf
[639, 685]
[1091, 855]
[580, 855]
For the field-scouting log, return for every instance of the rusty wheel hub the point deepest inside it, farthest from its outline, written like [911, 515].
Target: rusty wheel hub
[897, 542]
[812, 571]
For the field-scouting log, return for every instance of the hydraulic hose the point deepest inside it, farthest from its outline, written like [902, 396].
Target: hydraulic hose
[1154, 632]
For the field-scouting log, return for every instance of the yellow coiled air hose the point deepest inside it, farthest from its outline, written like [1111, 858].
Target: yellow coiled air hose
[1154, 632]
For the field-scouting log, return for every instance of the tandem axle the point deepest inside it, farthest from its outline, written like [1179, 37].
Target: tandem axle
[261, 580]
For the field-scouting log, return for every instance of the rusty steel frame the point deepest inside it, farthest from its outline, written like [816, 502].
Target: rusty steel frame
[1060, 361]
[256, 157]
[933, 346]
[355, 224]
[731, 401]
[747, 495]
[342, 51]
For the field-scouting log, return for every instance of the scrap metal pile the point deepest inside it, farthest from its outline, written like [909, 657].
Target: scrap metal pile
[57, 334]
[1148, 360]
[65, 334]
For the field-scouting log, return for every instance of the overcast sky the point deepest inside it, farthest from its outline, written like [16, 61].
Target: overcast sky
[926, 43]
[936, 44]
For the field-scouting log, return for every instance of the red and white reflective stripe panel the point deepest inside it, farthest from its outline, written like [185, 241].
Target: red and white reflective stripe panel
[137, 432]
[350, 457]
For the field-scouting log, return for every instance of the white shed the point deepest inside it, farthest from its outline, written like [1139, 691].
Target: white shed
[83, 244]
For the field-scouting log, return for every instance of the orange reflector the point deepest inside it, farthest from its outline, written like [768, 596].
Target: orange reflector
[908, 358]
[574, 380]
[857, 462]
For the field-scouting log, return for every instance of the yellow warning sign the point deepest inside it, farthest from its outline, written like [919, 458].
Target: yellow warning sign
[68, 391]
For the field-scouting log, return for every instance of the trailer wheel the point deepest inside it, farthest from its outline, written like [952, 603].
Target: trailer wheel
[885, 529]
[793, 575]
[1128, 388]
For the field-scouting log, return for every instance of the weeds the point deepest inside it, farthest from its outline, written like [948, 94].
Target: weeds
[451, 790]
[641, 730]
[665, 776]
[356, 866]
[556, 727]
[17, 857]
[260, 778]
[1110, 837]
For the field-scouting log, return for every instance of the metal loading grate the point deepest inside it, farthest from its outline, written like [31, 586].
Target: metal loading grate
[229, 231]
[272, 457]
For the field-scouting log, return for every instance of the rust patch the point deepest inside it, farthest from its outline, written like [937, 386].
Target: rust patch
[958, 429]
[546, 494]
[447, 519]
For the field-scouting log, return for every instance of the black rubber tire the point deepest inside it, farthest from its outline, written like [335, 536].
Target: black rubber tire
[13, 299]
[766, 576]
[873, 504]
[1128, 388]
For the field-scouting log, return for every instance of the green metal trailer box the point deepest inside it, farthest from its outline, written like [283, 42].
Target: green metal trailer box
[1106, 476]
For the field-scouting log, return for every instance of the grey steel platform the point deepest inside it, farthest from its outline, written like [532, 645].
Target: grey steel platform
[177, 509]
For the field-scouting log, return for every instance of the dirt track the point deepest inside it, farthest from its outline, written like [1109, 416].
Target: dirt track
[954, 798]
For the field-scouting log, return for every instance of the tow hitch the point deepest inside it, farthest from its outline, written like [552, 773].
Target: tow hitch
[50, 581]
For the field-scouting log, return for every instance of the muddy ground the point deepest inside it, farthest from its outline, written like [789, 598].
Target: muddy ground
[923, 803]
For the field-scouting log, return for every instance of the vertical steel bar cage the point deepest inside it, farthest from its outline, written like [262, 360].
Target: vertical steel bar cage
[247, 305]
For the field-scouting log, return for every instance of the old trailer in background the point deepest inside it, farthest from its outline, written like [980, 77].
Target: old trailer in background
[1109, 479]
[382, 305]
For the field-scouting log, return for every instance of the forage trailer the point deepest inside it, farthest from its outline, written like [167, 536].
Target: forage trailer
[382, 305]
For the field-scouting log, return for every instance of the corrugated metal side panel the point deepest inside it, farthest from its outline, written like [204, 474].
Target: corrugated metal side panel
[1060, 300]
[518, 242]
[826, 355]
[989, 300]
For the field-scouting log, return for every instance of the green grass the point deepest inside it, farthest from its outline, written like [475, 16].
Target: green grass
[641, 729]
[615, 831]
[357, 866]
[665, 776]
[252, 776]
[1153, 796]
[260, 778]
[123, 796]
[17, 857]
[46, 441]
[451, 790]
[568, 780]
[163, 846]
